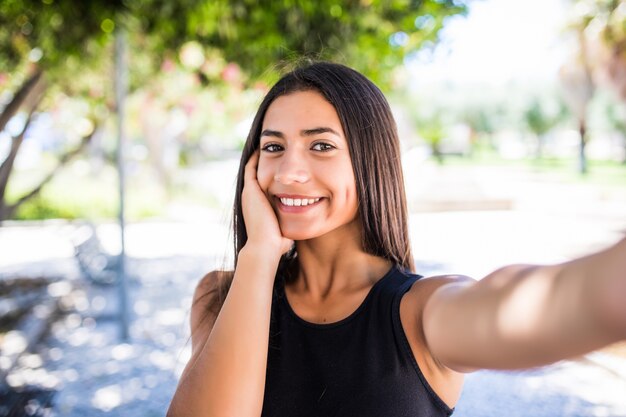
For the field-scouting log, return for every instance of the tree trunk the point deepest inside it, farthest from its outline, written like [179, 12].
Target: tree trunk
[6, 168]
[30, 94]
[7, 165]
[582, 158]
[540, 145]
[19, 97]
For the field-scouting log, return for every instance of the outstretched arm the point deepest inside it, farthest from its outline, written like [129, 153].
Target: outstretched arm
[524, 316]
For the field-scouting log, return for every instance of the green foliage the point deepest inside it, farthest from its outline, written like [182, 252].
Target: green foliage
[220, 49]
[372, 35]
[616, 116]
[536, 120]
[542, 116]
[225, 46]
[602, 24]
[432, 130]
[55, 206]
[49, 32]
[609, 20]
[75, 193]
[482, 119]
[39, 208]
[431, 124]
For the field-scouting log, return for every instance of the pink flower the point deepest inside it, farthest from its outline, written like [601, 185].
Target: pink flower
[168, 65]
[231, 73]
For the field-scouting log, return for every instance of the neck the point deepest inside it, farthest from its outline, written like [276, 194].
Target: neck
[336, 262]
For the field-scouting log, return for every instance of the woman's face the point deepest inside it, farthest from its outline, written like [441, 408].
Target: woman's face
[305, 167]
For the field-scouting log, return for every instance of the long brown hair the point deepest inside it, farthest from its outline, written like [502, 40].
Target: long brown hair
[374, 147]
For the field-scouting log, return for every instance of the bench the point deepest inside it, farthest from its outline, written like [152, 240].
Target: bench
[94, 262]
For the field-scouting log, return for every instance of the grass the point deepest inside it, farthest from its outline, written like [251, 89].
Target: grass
[599, 172]
[73, 195]
[77, 192]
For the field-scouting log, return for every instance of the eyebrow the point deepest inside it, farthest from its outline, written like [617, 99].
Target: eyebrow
[305, 132]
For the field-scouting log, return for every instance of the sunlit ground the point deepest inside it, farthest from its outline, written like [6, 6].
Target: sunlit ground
[94, 371]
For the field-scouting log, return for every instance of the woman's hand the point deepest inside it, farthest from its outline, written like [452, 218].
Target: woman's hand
[226, 373]
[261, 222]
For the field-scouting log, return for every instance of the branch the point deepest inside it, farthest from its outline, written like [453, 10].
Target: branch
[9, 111]
[64, 159]
[7, 164]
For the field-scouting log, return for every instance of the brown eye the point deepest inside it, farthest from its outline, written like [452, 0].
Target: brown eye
[322, 147]
[271, 148]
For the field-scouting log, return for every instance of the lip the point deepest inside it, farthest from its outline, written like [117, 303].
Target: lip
[294, 196]
[296, 209]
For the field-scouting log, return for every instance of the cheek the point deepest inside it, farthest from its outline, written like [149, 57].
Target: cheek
[351, 196]
[349, 184]
[264, 174]
[346, 191]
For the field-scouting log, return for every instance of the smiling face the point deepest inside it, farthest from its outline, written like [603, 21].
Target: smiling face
[305, 167]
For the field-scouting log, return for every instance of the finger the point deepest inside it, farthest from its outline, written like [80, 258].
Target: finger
[251, 166]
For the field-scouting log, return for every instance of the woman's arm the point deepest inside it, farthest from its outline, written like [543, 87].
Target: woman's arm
[524, 316]
[226, 373]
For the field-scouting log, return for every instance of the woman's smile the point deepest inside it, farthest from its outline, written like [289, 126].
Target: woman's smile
[296, 204]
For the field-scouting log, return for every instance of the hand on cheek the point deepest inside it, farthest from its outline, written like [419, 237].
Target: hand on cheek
[259, 217]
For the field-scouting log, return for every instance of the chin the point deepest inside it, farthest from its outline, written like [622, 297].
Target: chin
[300, 233]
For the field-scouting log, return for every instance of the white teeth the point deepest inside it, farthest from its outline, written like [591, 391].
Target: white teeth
[299, 201]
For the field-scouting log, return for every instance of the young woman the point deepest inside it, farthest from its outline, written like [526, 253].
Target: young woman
[323, 315]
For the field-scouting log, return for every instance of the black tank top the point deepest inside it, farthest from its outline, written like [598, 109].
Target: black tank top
[359, 366]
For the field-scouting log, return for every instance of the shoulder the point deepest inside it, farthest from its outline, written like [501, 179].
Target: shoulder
[421, 292]
[445, 382]
[210, 290]
[415, 300]
[422, 289]
[208, 298]
[211, 281]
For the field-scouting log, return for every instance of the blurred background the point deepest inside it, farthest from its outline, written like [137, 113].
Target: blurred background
[121, 125]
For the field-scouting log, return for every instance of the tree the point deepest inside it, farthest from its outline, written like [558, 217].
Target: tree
[63, 45]
[482, 122]
[602, 24]
[578, 90]
[46, 48]
[616, 116]
[433, 133]
[540, 118]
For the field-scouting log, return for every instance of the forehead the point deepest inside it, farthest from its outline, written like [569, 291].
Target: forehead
[301, 110]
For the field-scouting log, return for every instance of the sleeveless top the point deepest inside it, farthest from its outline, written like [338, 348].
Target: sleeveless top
[359, 366]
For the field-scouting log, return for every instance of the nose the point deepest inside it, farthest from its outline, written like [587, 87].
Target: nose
[292, 169]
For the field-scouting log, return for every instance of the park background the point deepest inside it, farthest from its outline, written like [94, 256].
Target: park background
[513, 126]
